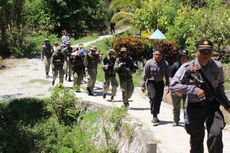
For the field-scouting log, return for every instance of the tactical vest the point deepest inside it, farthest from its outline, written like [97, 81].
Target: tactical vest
[110, 63]
[47, 50]
[58, 59]
[93, 61]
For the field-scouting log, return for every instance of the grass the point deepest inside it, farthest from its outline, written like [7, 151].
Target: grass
[40, 81]
[84, 39]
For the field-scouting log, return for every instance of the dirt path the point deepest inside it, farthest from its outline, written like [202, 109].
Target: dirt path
[27, 79]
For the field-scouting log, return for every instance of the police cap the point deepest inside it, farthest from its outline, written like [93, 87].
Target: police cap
[204, 44]
[183, 53]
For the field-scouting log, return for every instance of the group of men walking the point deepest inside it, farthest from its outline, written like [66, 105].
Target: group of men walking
[180, 78]
[67, 62]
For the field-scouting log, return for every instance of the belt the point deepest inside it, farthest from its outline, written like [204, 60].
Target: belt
[154, 81]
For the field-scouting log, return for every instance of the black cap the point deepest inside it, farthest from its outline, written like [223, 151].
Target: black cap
[183, 53]
[204, 44]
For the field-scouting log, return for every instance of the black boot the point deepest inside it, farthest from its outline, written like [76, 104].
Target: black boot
[53, 82]
[112, 98]
[104, 95]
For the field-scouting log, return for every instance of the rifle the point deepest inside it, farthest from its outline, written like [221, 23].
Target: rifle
[210, 92]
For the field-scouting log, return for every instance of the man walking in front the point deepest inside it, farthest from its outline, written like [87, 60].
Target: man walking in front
[155, 70]
[201, 106]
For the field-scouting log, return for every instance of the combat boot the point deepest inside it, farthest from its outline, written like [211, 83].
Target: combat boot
[104, 95]
[47, 75]
[112, 98]
[53, 82]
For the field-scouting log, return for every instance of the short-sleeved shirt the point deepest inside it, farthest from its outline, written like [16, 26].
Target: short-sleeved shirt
[155, 71]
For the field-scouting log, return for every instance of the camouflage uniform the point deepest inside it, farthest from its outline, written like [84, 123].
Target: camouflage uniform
[67, 65]
[177, 98]
[78, 69]
[125, 67]
[46, 56]
[57, 62]
[91, 61]
[110, 76]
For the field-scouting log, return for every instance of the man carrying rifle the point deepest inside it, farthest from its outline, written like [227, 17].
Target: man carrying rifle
[194, 79]
[125, 67]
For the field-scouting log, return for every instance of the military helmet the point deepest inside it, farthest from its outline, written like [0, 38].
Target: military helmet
[46, 40]
[111, 51]
[123, 49]
[68, 43]
[93, 48]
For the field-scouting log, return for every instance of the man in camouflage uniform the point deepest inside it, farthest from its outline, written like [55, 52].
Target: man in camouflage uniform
[77, 62]
[46, 55]
[91, 61]
[110, 76]
[125, 67]
[202, 107]
[177, 97]
[57, 62]
[67, 65]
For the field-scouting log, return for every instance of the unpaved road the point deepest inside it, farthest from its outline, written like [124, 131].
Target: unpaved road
[26, 78]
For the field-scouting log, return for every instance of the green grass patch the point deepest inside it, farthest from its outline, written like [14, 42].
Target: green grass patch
[84, 39]
[40, 81]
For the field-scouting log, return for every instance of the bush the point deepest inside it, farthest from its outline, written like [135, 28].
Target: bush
[140, 49]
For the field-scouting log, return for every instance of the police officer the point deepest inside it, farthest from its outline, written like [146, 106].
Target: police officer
[177, 97]
[68, 68]
[57, 62]
[46, 55]
[125, 67]
[154, 71]
[200, 109]
[91, 61]
[110, 76]
[77, 62]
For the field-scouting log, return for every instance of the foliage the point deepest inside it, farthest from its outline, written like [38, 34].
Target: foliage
[37, 15]
[187, 21]
[140, 49]
[32, 125]
[63, 105]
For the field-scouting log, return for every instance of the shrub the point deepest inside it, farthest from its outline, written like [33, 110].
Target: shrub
[140, 49]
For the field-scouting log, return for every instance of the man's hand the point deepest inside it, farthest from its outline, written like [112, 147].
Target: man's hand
[228, 110]
[200, 94]
[143, 89]
[179, 94]
[121, 64]
[166, 90]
